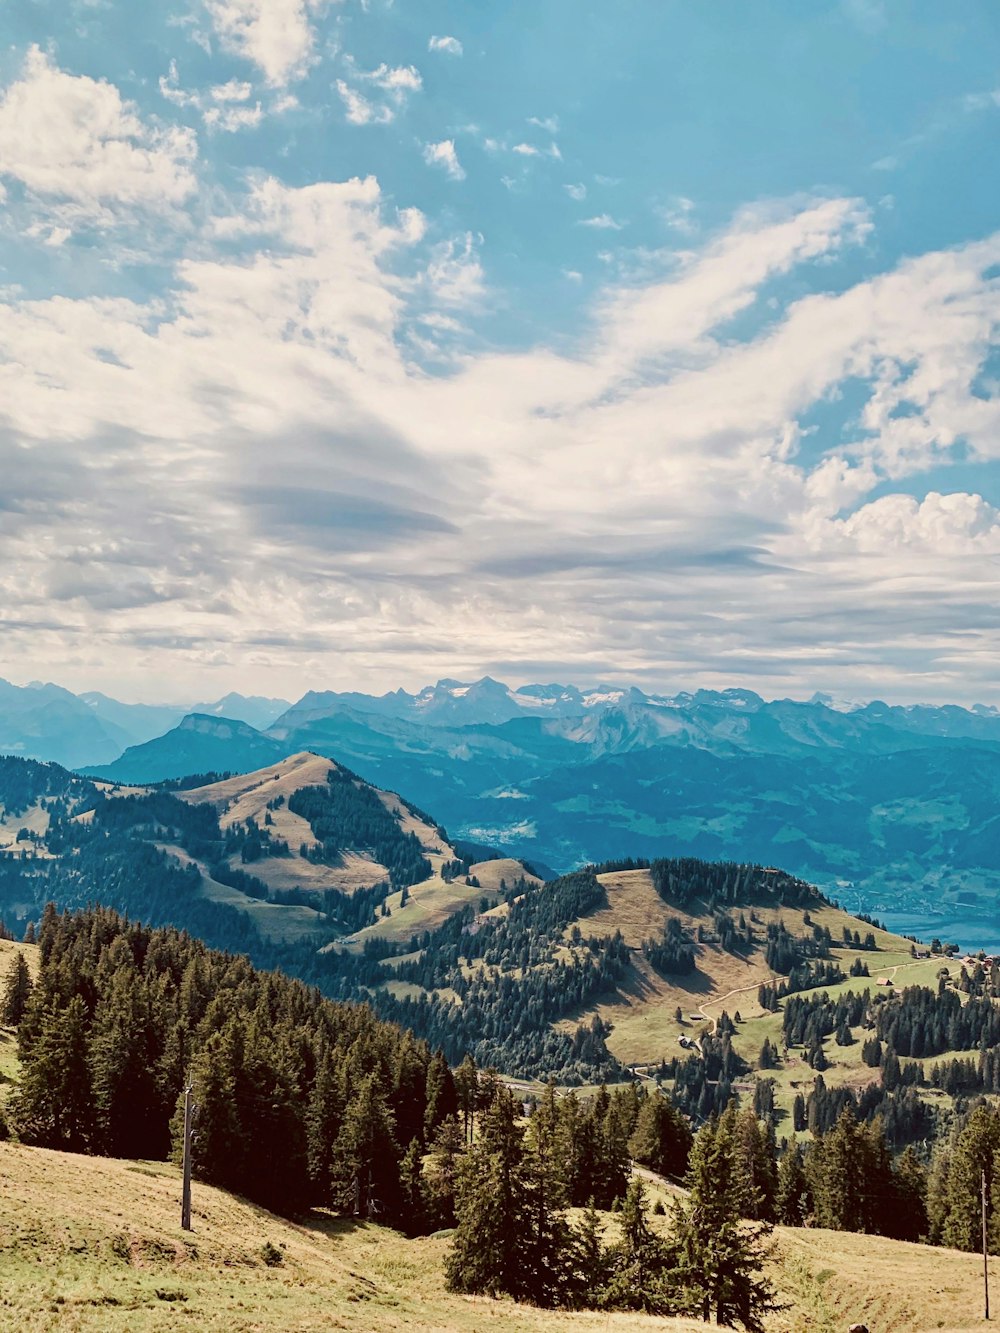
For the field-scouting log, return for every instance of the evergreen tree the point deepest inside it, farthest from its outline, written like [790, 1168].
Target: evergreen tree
[720, 1257]
[413, 1196]
[441, 1098]
[442, 1172]
[639, 1267]
[17, 993]
[54, 1104]
[466, 1081]
[491, 1203]
[909, 1213]
[973, 1152]
[661, 1139]
[365, 1174]
[792, 1201]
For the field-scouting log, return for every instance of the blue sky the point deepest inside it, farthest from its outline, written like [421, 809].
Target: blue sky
[358, 344]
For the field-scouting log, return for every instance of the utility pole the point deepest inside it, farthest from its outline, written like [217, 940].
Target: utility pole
[986, 1272]
[186, 1164]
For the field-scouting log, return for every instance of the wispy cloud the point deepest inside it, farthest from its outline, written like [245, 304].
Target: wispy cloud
[395, 82]
[359, 110]
[602, 222]
[577, 192]
[449, 45]
[443, 155]
[224, 107]
[679, 215]
[550, 124]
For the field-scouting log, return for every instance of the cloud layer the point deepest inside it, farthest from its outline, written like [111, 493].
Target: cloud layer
[301, 462]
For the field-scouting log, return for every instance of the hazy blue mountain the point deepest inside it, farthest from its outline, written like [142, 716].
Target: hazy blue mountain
[199, 744]
[892, 808]
[254, 709]
[135, 722]
[49, 723]
[44, 721]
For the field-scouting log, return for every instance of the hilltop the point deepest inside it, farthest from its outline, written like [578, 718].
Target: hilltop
[97, 1242]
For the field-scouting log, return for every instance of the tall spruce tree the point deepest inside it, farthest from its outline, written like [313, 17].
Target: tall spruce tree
[639, 1267]
[16, 993]
[720, 1257]
[487, 1255]
[54, 1105]
[661, 1139]
[365, 1172]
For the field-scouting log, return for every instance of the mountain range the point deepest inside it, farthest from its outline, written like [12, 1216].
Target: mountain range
[46, 722]
[891, 808]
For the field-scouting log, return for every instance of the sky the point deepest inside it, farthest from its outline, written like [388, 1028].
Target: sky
[353, 345]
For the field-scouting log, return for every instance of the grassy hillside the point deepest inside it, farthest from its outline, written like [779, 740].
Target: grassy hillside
[642, 1009]
[92, 1244]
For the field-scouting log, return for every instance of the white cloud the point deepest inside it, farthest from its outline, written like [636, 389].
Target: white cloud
[443, 155]
[550, 123]
[233, 91]
[84, 153]
[577, 192]
[255, 468]
[679, 215]
[602, 222]
[449, 45]
[359, 110]
[526, 150]
[275, 35]
[395, 82]
[222, 108]
[230, 119]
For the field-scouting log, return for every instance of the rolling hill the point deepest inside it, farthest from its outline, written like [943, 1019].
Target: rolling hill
[95, 1245]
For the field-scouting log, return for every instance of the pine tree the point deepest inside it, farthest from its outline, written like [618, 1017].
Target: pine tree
[413, 1196]
[323, 1117]
[54, 1107]
[466, 1090]
[973, 1152]
[442, 1172]
[365, 1174]
[487, 1254]
[441, 1097]
[720, 1257]
[17, 993]
[129, 1108]
[792, 1202]
[639, 1266]
[661, 1139]
[909, 1214]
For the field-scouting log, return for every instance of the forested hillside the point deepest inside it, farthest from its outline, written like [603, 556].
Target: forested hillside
[306, 1104]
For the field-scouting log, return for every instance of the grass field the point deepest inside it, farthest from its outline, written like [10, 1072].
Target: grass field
[642, 1009]
[89, 1244]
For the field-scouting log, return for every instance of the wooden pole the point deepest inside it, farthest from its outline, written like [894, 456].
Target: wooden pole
[986, 1272]
[186, 1162]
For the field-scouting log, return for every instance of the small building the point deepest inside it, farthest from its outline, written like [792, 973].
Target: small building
[884, 981]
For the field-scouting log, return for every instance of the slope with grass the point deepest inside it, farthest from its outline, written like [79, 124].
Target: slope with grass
[92, 1244]
[641, 1010]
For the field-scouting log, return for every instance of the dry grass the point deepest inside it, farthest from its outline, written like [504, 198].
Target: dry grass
[88, 1244]
[35, 819]
[642, 1009]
